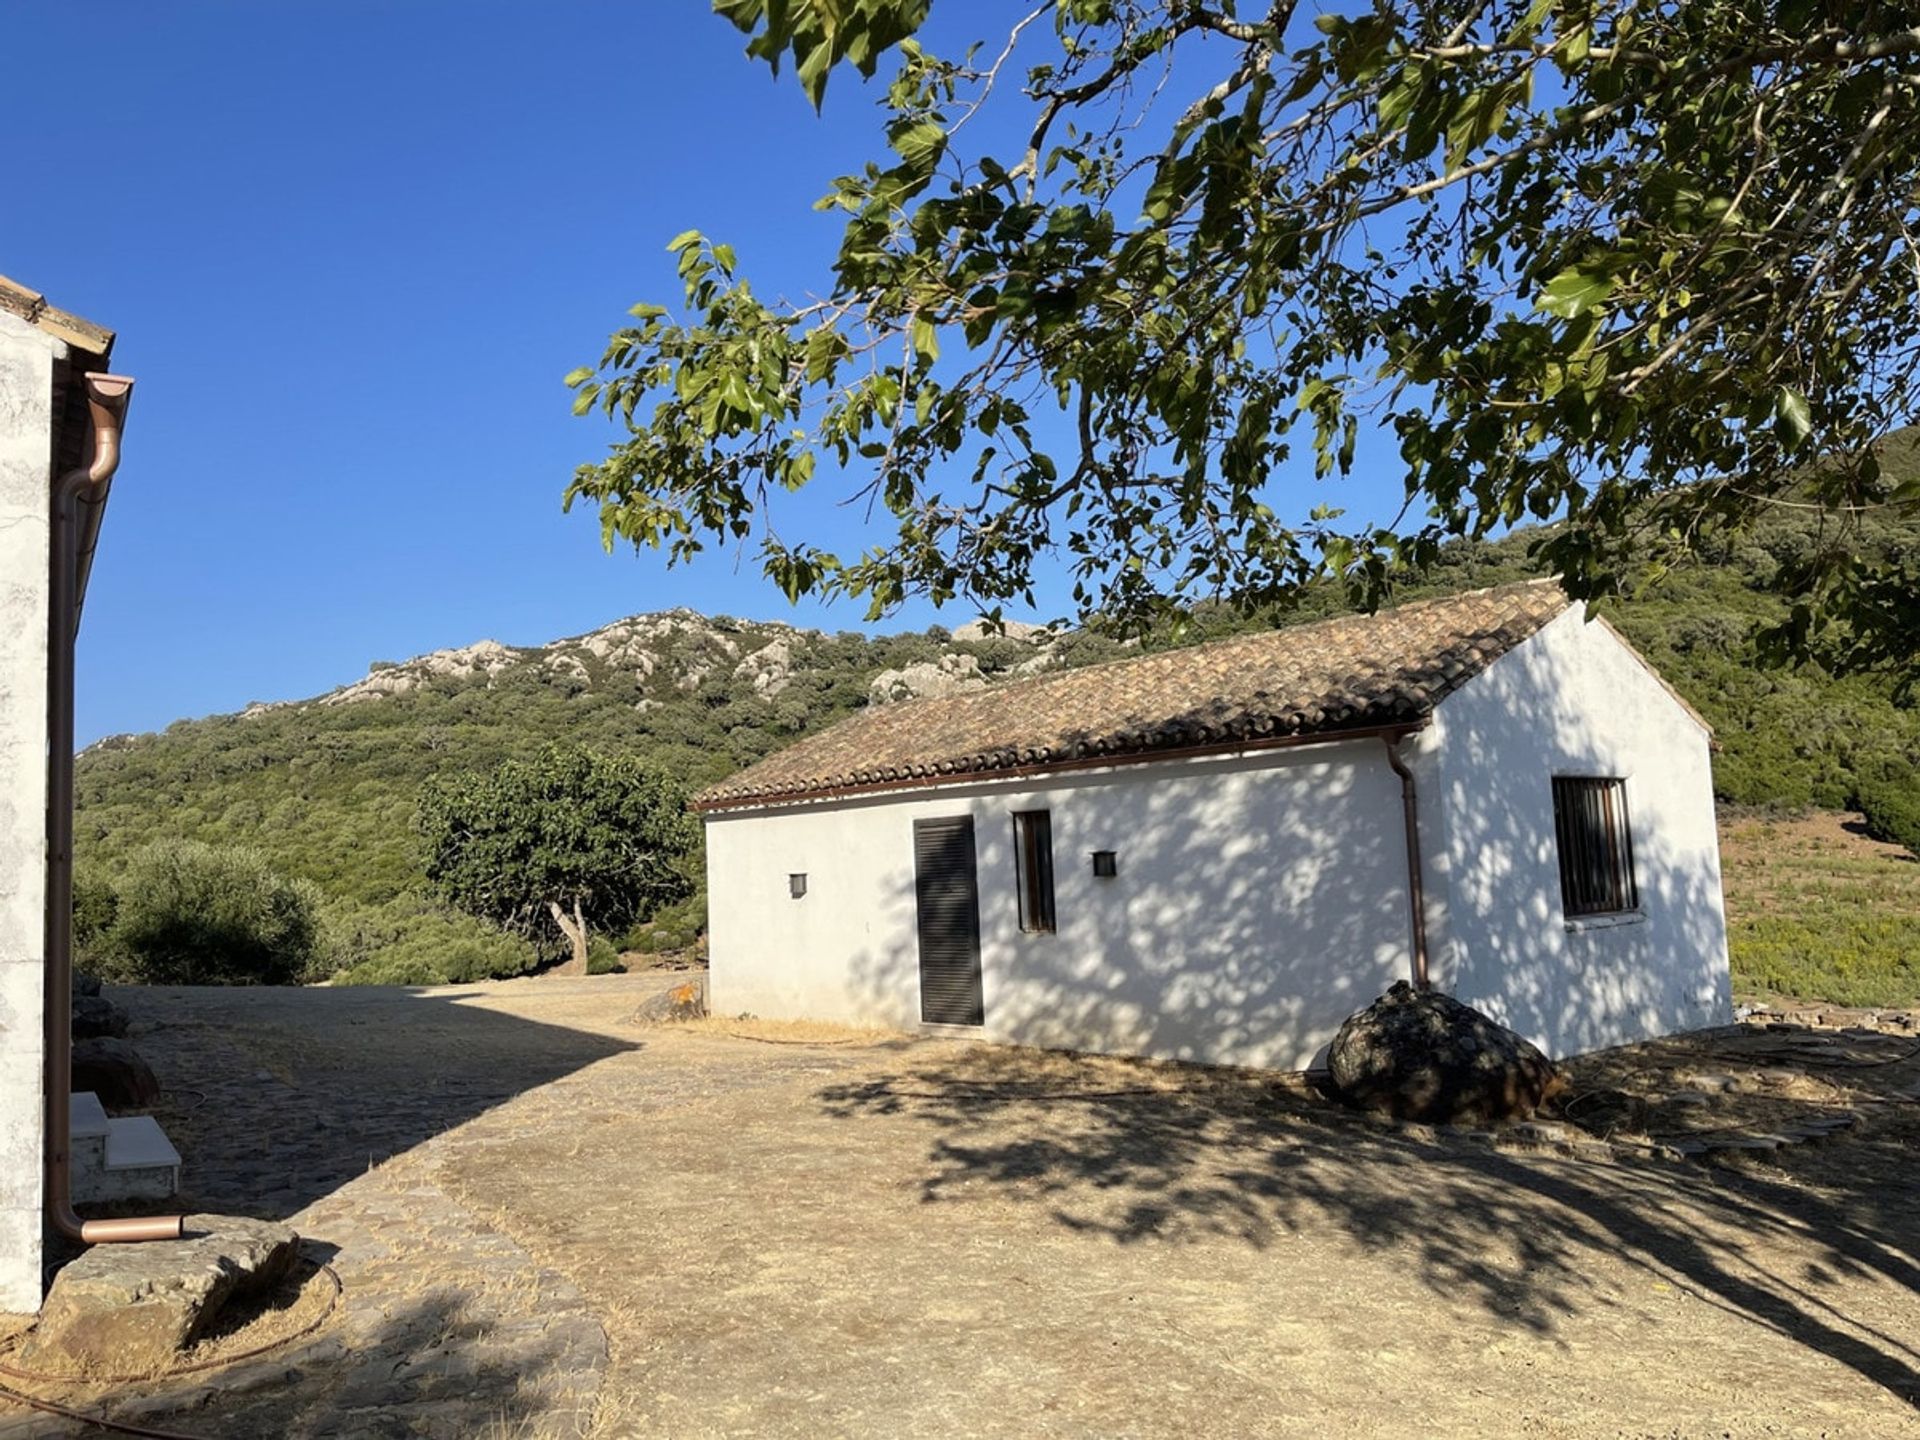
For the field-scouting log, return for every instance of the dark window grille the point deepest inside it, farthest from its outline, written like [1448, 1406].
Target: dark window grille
[1596, 846]
[1033, 853]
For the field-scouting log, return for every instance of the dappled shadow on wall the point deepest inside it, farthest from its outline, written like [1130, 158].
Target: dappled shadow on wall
[1249, 914]
[1507, 946]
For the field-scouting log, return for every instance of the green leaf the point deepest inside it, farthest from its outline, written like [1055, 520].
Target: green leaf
[926, 341]
[682, 241]
[1574, 291]
[1794, 420]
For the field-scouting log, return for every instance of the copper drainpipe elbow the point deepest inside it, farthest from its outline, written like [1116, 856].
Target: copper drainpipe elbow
[77, 499]
[1416, 897]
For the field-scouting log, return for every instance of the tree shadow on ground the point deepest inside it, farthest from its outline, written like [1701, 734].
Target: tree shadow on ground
[275, 1098]
[437, 1365]
[1138, 1153]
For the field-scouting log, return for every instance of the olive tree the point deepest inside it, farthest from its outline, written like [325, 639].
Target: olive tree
[1624, 266]
[186, 913]
[572, 836]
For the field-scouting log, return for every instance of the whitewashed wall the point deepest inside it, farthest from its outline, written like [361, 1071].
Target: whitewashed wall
[26, 400]
[1573, 700]
[1260, 900]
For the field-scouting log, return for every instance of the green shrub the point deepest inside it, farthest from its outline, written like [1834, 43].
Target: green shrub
[1891, 804]
[194, 914]
[96, 905]
[413, 940]
[674, 927]
[603, 957]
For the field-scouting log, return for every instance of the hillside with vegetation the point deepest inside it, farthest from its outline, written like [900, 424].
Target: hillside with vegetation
[325, 791]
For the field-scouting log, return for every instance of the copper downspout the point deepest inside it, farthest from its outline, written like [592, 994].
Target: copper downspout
[1416, 899]
[72, 543]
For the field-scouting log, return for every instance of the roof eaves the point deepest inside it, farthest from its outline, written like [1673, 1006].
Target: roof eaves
[716, 800]
[32, 307]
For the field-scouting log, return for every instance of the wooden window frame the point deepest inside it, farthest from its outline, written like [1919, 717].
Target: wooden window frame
[1593, 835]
[1033, 871]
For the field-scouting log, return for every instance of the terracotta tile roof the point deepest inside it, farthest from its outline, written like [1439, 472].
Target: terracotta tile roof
[1351, 673]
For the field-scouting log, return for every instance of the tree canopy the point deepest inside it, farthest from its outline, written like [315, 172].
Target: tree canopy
[574, 835]
[1628, 267]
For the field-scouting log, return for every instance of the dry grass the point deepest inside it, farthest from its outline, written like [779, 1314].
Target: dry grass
[298, 1304]
[789, 1032]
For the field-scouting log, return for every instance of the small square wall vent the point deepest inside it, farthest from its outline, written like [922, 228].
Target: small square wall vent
[1106, 864]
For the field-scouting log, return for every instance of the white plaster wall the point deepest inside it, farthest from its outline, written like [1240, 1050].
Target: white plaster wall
[1260, 900]
[26, 400]
[1574, 700]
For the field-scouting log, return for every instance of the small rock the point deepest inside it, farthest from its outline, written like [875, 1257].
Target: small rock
[1713, 1084]
[1541, 1132]
[687, 1001]
[95, 1015]
[1689, 1098]
[85, 984]
[131, 1309]
[114, 1071]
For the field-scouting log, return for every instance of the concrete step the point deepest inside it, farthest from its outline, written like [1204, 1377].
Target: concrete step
[124, 1157]
[89, 1133]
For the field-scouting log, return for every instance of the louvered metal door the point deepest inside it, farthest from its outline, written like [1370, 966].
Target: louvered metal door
[947, 894]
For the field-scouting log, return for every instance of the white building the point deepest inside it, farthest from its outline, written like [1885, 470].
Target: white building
[60, 419]
[1206, 854]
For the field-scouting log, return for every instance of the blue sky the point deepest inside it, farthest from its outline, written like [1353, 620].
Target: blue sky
[350, 248]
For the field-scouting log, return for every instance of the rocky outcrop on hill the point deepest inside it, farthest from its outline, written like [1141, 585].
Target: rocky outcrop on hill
[683, 647]
[952, 674]
[674, 653]
[487, 657]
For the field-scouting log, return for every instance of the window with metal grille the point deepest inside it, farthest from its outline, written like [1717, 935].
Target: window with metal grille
[1596, 846]
[1033, 855]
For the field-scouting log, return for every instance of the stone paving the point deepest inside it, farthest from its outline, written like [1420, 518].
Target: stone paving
[445, 1327]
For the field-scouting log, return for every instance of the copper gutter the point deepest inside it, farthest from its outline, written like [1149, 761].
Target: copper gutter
[77, 499]
[781, 800]
[1416, 898]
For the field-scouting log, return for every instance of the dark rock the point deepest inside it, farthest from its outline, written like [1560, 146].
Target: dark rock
[686, 1001]
[131, 1309]
[1422, 1055]
[114, 1071]
[1608, 1112]
[85, 984]
[95, 1015]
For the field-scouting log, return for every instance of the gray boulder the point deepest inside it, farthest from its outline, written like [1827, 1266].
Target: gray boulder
[131, 1309]
[95, 1015]
[85, 984]
[685, 1001]
[114, 1071]
[1421, 1055]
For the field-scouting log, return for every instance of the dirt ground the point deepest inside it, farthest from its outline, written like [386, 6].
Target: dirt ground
[878, 1236]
